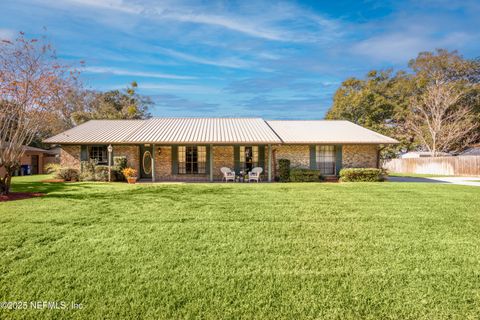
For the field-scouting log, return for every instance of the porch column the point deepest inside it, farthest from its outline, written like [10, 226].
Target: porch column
[211, 163]
[153, 162]
[269, 163]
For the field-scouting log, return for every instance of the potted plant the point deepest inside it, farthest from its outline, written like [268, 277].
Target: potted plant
[130, 174]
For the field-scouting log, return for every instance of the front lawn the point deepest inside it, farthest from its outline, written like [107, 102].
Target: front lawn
[230, 251]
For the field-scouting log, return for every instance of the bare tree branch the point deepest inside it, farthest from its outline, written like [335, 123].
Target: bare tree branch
[31, 84]
[440, 121]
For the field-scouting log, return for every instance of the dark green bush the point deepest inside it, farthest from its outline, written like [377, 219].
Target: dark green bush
[117, 174]
[91, 171]
[101, 173]
[362, 174]
[68, 174]
[305, 175]
[120, 162]
[88, 170]
[283, 170]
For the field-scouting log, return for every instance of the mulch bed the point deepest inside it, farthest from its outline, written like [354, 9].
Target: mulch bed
[20, 196]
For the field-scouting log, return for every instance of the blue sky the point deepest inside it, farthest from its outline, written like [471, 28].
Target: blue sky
[277, 60]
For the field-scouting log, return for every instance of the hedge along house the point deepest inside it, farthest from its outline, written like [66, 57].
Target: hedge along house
[166, 149]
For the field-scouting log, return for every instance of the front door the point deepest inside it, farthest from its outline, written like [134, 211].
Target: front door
[146, 161]
[34, 164]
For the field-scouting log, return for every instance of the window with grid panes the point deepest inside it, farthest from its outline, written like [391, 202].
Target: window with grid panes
[99, 154]
[248, 157]
[326, 159]
[192, 159]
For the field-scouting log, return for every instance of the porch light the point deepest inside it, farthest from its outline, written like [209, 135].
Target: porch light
[109, 149]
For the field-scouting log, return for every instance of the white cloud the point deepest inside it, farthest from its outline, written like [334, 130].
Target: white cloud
[229, 62]
[7, 34]
[124, 72]
[117, 5]
[181, 88]
[399, 47]
[277, 22]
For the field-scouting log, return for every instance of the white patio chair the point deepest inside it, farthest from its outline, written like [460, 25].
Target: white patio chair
[228, 174]
[254, 175]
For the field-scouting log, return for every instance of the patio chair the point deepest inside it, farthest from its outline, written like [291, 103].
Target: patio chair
[254, 175]
[228, 174]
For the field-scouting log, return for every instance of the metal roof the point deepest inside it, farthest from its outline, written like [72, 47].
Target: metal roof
[217, 131]
[170, 130]
[204, 130]
[97, 131]
[326, 131]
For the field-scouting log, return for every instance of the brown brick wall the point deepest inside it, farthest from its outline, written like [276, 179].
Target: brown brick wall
[163, 163]
[70, 156]
[132, 153]
[222, 157]
[299, 155]
[359, 156]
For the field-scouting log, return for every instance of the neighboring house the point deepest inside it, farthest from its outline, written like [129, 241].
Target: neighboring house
[423, 154]
[36, 158]
[165, 149]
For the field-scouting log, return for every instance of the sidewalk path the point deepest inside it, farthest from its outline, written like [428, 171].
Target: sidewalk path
[466, 181]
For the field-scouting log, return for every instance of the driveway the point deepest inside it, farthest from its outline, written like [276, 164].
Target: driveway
[465, 181]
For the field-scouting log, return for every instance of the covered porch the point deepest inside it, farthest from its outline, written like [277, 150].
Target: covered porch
[201, 162]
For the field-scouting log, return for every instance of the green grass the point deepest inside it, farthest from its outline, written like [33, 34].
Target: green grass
[243, 251]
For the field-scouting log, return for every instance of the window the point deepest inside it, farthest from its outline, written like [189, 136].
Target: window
[248, 157]
[326, 159]
[99, 154]
[192, 159]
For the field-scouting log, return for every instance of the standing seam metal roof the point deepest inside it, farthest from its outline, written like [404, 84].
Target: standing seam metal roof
[203, 130]
[326, 131]
[170, 130]
[218, 131]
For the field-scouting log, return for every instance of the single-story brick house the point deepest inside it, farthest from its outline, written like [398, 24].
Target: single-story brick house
[35, 158]
[165, 149]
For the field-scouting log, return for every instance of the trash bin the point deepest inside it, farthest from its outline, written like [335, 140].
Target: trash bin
[25, 170]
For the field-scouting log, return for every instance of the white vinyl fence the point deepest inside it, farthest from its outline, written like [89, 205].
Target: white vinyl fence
[459, 165]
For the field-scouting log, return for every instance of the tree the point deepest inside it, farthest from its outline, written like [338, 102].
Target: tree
[440, 121]
[115, 104]
[389, 103]
[377, 102]
[31, 82]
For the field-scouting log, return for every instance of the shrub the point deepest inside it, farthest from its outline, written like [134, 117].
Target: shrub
[101, 173]
[120, 162]
[129, 173]
[117, 174]
[68, 174]
[88, 170]
[305, 175]
[362, 174]
[52, 167]
[284, 170]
